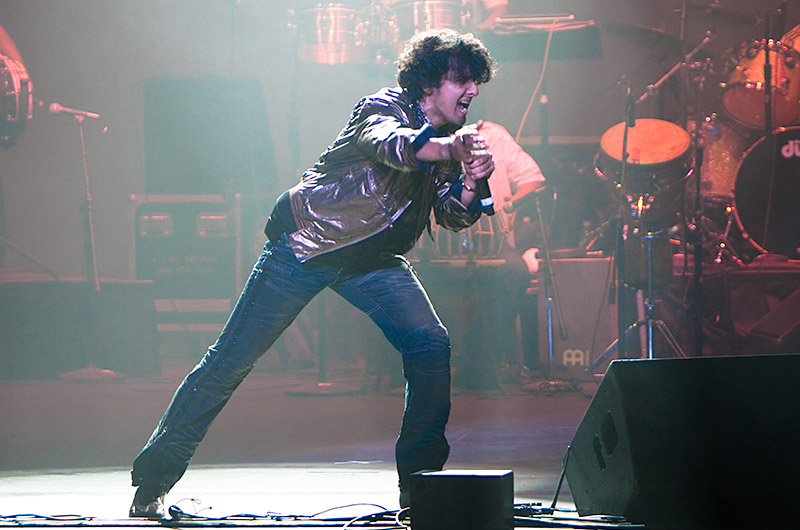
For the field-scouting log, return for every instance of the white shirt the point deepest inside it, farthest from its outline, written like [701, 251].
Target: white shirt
[513, 167]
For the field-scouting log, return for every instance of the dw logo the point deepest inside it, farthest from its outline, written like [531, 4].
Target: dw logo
[791, 149]
[574, 358]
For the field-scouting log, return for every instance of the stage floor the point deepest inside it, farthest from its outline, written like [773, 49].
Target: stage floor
[283, 445]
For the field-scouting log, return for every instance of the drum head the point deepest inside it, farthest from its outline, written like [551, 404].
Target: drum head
[767, 204]
[651, 142]
[658, 154]
[744, 97]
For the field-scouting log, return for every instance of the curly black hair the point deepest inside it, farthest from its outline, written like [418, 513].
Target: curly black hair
[430, 55]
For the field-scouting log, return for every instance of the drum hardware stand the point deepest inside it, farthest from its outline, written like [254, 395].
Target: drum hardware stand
[695, 233]
[623, 332]
[656, 87]
[768, 125]
[722, 244]
[630, 121]
[649, 322]
[90, 371]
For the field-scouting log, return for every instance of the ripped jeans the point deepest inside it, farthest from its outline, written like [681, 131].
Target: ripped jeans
[278, 289]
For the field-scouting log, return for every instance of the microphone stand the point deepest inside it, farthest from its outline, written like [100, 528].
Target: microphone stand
[90, 371]
[630, 121]
[550, 287]
[620, 229]
[551, 300]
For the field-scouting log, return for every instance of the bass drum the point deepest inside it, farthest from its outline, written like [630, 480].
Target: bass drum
[768, 209]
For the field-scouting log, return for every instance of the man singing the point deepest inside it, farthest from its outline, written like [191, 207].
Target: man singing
[404, 152]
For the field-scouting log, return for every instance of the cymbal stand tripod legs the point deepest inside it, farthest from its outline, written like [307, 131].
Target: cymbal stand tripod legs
[651, 324]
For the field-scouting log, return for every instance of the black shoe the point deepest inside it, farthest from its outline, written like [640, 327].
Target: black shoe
[148, 503]
[405, 498]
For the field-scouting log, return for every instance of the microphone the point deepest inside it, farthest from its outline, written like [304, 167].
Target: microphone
[485, 195]
[56, 108]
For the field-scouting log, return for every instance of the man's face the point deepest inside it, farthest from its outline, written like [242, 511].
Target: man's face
[449, 102]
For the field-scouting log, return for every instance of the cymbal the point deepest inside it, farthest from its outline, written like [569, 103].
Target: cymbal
[720, 13]
[646, 36]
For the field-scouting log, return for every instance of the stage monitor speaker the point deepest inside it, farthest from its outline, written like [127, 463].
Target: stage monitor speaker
[589, 317]
[48, 328]
[707, 442]
[459, 500]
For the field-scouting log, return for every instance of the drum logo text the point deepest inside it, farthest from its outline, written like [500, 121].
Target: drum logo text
[791, 149]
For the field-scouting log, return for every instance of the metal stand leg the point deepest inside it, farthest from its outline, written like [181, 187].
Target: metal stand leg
[649, 321]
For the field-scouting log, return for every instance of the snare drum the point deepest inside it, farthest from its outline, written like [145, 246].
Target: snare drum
[743, 95]
[768, 210]
[330, 34]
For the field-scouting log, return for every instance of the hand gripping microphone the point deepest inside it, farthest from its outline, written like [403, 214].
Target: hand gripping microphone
[485, 195]
[482, 185]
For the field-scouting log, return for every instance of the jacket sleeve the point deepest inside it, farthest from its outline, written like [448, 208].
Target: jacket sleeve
[448, 210]
[382, 133]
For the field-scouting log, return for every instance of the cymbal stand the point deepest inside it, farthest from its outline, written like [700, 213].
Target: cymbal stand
[695, 234]
[649, 305]
[630, 121]
[654, 88]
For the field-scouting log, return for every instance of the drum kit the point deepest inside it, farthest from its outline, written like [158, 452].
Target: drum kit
[729, 151]
[733, 174]
[725, 182]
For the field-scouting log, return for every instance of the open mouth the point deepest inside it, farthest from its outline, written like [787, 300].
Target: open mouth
[463, 105]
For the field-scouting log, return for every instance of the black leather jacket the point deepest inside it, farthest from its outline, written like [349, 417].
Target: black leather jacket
[367, 178]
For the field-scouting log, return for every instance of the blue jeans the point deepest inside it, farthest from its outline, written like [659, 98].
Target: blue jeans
[277, 290]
